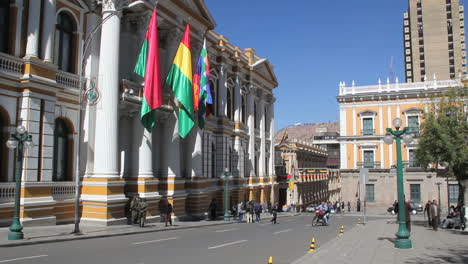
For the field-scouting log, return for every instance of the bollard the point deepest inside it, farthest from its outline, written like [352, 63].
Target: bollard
[359, 221]
[341, 230]
[270, 260]
[312, 245]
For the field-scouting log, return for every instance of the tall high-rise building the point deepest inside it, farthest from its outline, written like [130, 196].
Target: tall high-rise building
[434, 39]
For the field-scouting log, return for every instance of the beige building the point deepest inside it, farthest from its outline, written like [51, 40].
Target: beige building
[434, 39]
[305, 164]
[365, 113]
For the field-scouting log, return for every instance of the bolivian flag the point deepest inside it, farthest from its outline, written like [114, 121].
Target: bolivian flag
[147, 67]
[180, 79]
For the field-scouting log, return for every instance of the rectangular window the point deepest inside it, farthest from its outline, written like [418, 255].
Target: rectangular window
[412, 163]
[370, 193]
[453, 193]
[368, 159]
[415, 193]
[368, 126]
[413, 124]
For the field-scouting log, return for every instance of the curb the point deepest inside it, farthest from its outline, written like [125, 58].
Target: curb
[83, 237]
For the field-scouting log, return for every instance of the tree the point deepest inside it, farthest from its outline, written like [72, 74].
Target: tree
[444, 136]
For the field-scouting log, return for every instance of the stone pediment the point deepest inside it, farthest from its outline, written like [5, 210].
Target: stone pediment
[197, 9]
[266, 70]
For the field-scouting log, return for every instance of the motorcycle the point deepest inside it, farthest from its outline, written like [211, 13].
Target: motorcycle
[319, 218]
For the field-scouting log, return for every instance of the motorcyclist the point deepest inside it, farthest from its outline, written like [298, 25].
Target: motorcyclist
[326, 211]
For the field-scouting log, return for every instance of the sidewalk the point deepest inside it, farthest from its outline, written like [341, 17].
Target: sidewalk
[374, 243]
[59, 233]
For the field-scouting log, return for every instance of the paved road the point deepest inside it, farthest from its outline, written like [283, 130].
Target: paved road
[237, 243]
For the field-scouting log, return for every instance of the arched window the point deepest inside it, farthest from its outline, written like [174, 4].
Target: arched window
[64, 42]
[213, 160]
[62, 147]
[4, 25]
[244, 113]
[3, 149]
[229, 104]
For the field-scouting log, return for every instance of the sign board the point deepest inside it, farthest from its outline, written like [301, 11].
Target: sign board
[291, 184]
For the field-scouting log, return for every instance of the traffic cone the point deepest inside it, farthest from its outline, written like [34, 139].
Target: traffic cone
[312, 246]
[270, 260]
[341, 230]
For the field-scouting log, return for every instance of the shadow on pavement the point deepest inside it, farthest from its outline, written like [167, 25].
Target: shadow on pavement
[441, 255]
[390, 239]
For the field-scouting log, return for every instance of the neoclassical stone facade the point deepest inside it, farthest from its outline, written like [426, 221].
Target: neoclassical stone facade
[40, 69]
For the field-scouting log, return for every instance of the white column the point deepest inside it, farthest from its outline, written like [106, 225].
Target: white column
[261, 162]
[222, 92]
[238, 157]
[172, 147]
[196, 141]
[34, 20]
[19, 22]
[144, 141]
[251, 149]
[271, 169]
[106, 159]
[48, 27]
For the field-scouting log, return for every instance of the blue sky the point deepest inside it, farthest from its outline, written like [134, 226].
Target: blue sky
[315, 44]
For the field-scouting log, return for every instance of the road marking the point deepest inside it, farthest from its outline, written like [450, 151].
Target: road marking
[282, 231]
[228, 244]
[9, 260]
[152, 241]
[226, 230]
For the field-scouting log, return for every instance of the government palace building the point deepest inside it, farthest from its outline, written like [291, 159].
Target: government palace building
[66, 75]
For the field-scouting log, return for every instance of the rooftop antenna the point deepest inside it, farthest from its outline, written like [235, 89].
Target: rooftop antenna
[392, 72]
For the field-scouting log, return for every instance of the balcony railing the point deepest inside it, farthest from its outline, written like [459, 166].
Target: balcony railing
[368, 132]
[68, 80]
[369, 164]
[414, 130]
[411, 164]
[11, 64]
[7, 192]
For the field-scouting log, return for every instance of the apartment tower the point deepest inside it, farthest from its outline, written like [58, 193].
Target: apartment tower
[434, 40]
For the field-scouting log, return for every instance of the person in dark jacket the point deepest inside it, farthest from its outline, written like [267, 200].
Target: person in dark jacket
[212, 208]
[274, 211]
[168, 212]
[408, 216]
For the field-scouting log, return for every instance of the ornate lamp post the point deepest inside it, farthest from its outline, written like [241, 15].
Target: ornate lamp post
[402, 235]
[20, 141]
[91, 95]
[227, 213]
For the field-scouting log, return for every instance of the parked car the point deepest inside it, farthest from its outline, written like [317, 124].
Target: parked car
[415, 208]
[311, 208]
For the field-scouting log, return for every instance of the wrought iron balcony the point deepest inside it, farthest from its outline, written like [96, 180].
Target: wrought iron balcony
[369, 164]
[411, 164]
[368, 132]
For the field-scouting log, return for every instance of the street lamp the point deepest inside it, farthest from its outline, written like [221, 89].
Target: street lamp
[402, 235]
[20, 141]
[227, 213]
[92, 96]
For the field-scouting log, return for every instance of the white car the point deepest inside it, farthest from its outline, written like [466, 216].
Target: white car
[311, 208]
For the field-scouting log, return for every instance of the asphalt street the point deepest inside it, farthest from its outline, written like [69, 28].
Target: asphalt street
[236, 243]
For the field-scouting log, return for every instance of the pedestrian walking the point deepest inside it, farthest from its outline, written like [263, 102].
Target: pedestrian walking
[274, 211]
[241, 211]
[358, 205]
[212, 209]
[134, 209]
[142, 208]
[408, 216]
[258, 211]
[349, 206]
[168, 218]
[434, 212]
[342, 207]
[250, 211]
[427, 212]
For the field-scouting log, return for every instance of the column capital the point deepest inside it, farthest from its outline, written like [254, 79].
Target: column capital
[113, 5]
